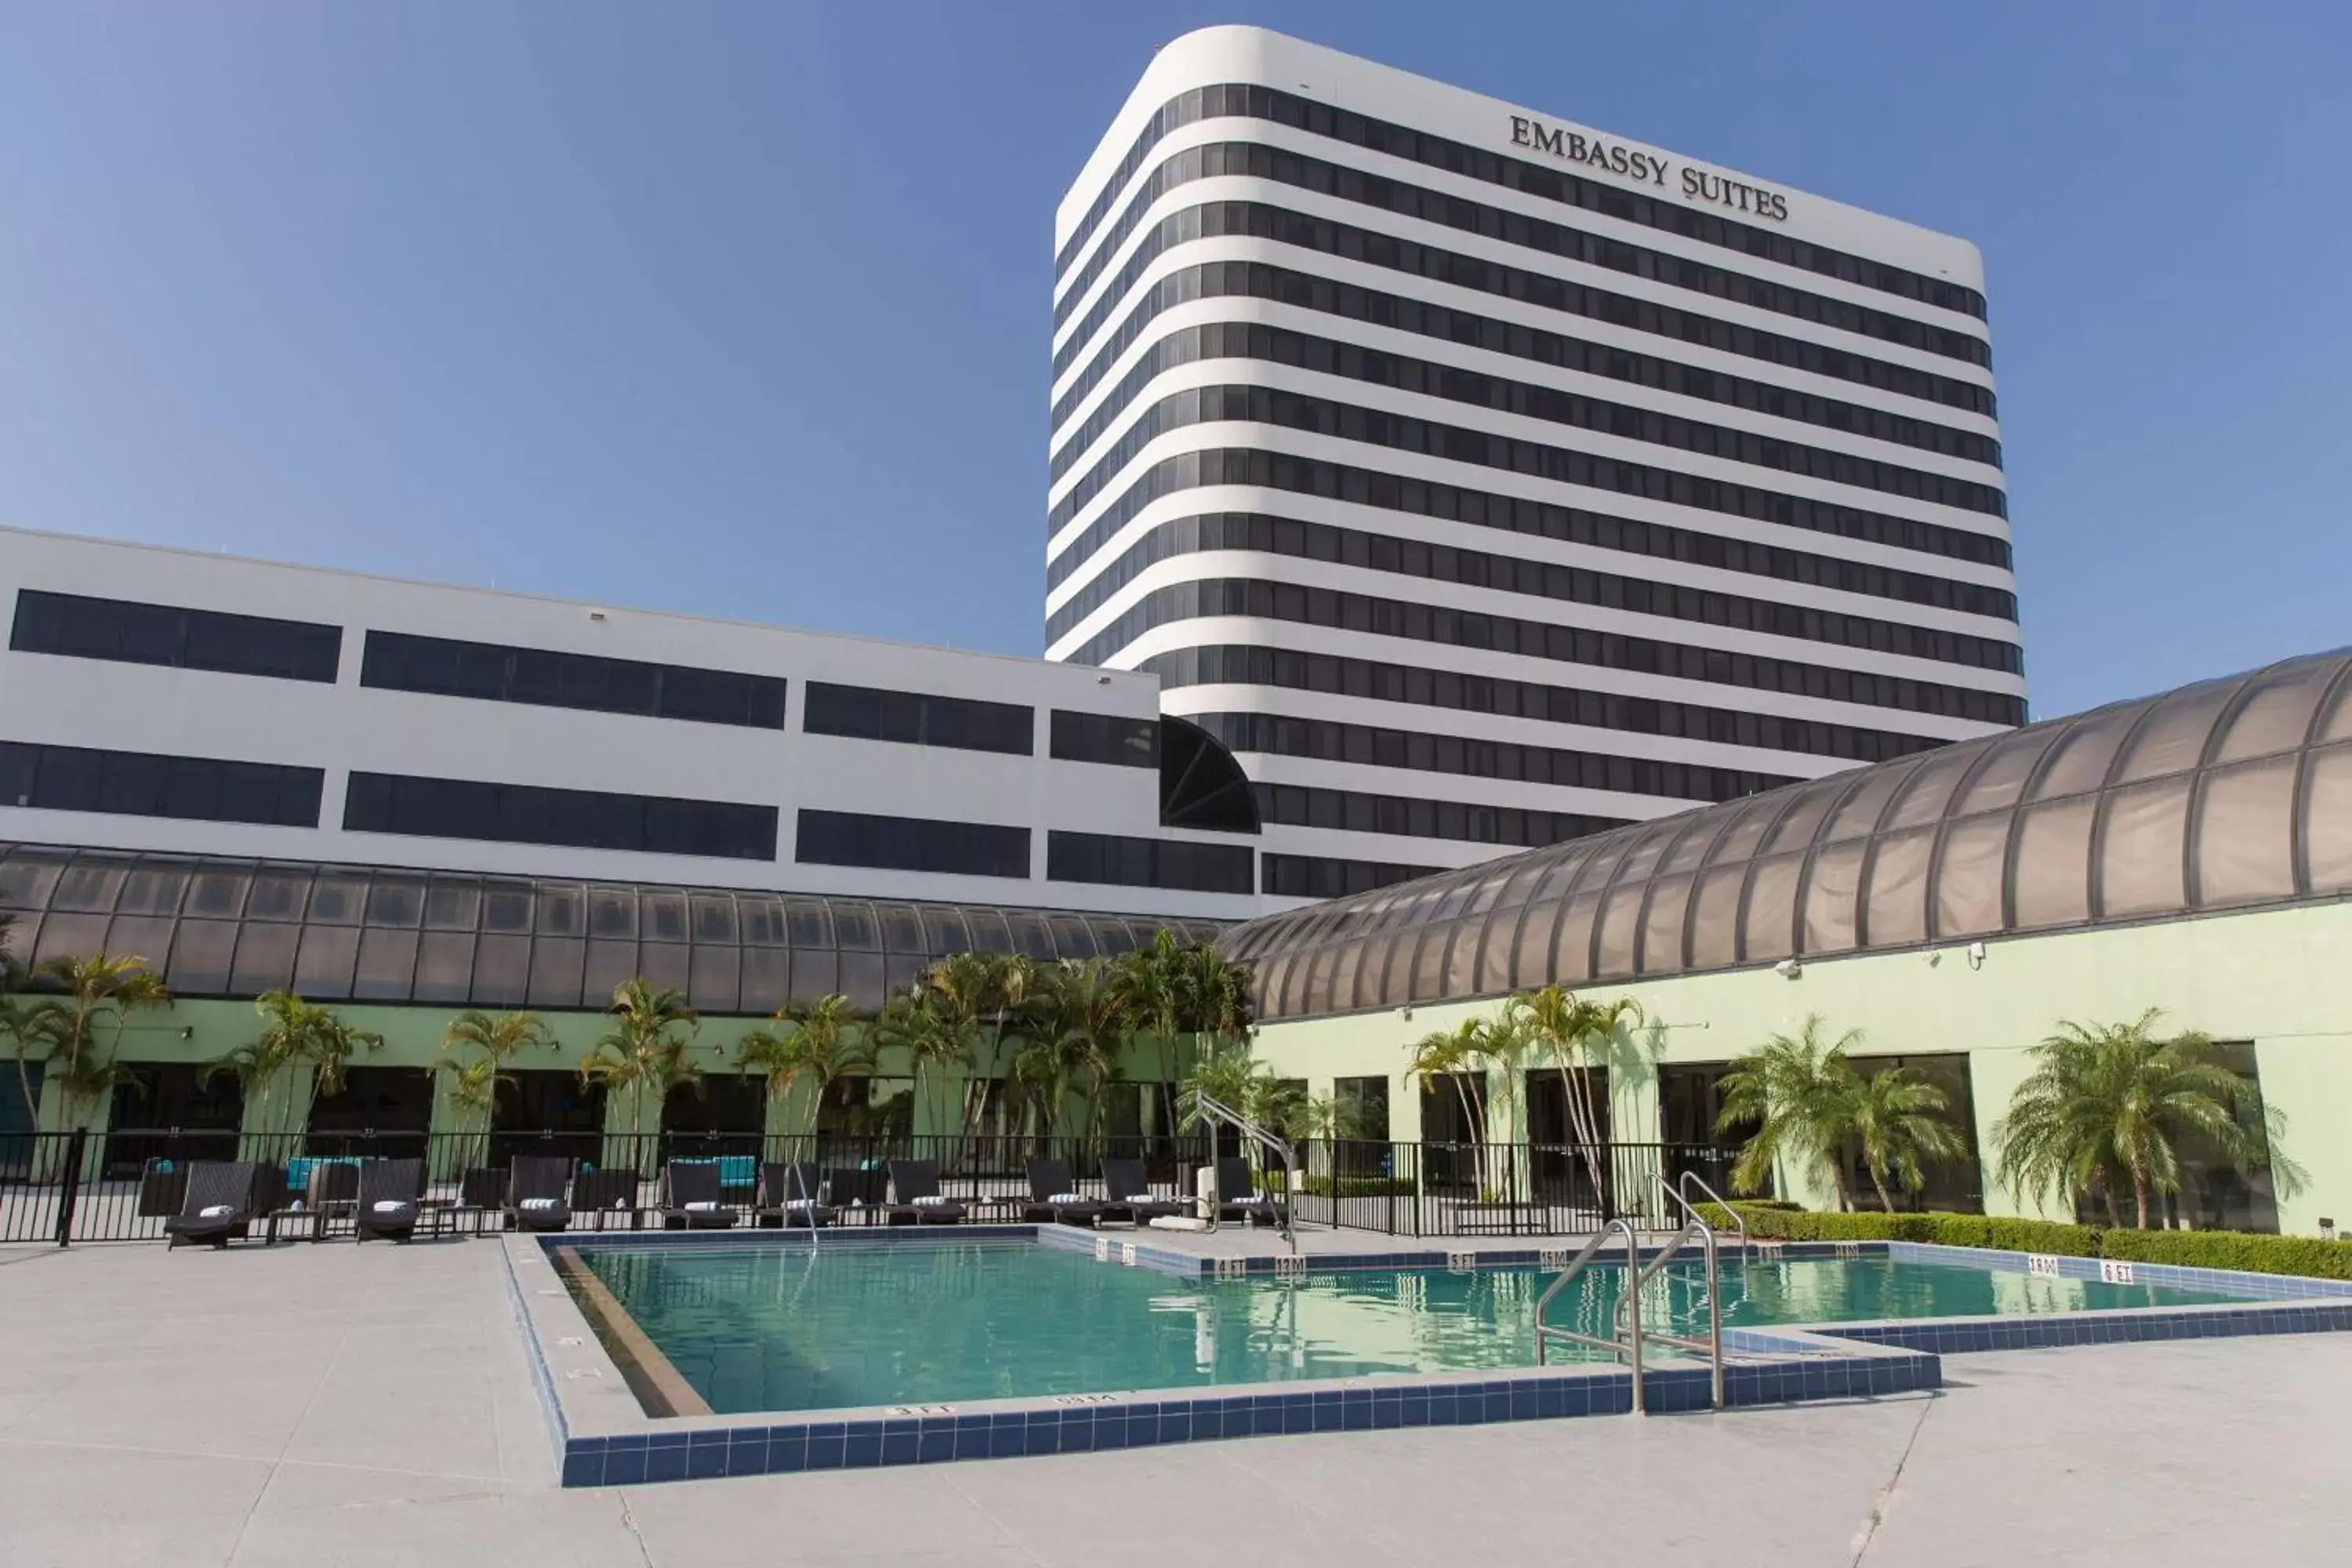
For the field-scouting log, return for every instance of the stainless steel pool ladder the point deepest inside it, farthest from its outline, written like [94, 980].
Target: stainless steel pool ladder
[794, 1180]
[1627, 1336]
[1680, 1193]
[1208, 1109]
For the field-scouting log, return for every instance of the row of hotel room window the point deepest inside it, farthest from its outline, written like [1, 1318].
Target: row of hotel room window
[82, 627]
[138, 784]
[1254, 101]
[203, 789]
[1380, 194]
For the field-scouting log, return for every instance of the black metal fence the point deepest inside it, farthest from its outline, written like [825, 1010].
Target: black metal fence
[122, 1184]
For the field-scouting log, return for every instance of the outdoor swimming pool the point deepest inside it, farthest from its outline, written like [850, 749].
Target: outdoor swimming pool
[776, 1328]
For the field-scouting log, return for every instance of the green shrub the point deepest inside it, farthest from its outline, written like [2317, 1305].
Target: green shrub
[1360, 1187]
[1948, 1229]
[2234, 1249]
[2187, 1248]
[2004, 1234]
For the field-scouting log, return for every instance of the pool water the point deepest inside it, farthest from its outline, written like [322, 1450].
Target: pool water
[778, 1328]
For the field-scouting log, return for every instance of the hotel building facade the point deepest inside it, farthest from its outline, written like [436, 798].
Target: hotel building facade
[1483, 480]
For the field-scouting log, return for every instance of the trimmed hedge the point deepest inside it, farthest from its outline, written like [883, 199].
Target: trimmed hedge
[2187, 1248]
[2302, 1255]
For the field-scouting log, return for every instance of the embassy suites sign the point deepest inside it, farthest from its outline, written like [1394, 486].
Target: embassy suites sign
[1609, 158]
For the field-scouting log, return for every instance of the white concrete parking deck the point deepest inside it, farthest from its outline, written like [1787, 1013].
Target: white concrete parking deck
[342, 1406]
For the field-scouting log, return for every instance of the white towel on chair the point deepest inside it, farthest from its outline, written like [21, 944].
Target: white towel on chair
[702, 1208]
[389, 1205]
[932, 1201]
[538, 1203]
[217, 1211]
[1068, 1198]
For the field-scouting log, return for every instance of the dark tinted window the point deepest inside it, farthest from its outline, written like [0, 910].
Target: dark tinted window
[80, 628]
[584, 819]
[444, 666]
[1329, 740]
[1419, 684]
[1103, 737]
[1327, 877]
[138, 784]
[1148, 863]
[1355, 811]
[869, 713]
[911, 844]
[1531, 174]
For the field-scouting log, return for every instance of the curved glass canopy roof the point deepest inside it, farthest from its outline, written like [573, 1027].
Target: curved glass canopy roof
[220, 926]
[2230, 793]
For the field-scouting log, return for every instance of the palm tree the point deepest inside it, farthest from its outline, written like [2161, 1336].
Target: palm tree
[474, 1085]
[988, 989]
[937, 1036]
[1078, 1022]
[1154, 982]
[294, 1035]
[1453, 1057]
[1579, 1036]
[1797, 1092]
[1898, 1124]
[76, 1031]
[818, 1047]
[474, 1090]
[497, 1035]
[2111, 1101]
[648, 1049]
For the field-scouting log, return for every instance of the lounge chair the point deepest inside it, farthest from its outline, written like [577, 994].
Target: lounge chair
[690, 1197]
[535, 1192]
[223, 1199]
[610, 1195]
[1130, 1190]
[787, 1195]
[1054, 1195]
[1238, 1198]
[915, 1195]
[390, 1196]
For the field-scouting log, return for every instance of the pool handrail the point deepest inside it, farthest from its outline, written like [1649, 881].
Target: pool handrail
[1619, 1348]
[1712, 1346]
[1692, 1179]
[1208, 1107]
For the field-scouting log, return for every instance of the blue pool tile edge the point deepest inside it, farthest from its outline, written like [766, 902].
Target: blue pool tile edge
[1834, 1361]
[1096, 1424]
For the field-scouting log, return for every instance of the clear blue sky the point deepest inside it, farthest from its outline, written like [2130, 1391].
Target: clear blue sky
[743, 309]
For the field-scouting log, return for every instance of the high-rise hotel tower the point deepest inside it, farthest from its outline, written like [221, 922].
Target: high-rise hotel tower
[1482, 479]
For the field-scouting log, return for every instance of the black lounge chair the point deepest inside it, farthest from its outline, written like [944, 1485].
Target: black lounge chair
[787, 1195]
[1131, 1189]
[223, 1199]
[535, 1192]
[1054, 1195]
[1238, 1197]
[915, 1195]
[391, 1196]
[690, 1197]
[609, 1195]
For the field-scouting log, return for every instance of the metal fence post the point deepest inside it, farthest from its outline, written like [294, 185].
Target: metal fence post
[69, 1182]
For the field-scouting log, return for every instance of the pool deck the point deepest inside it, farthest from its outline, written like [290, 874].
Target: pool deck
[330, 1406]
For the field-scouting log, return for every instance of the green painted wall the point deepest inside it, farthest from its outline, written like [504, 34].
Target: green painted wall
[2277, 978]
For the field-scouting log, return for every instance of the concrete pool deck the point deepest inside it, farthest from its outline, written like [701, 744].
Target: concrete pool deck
[339, 1404]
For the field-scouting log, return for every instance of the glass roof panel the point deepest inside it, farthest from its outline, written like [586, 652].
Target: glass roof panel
[2085, 750]
[2172, 737]
[2001, 781]
[2276, 714]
